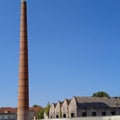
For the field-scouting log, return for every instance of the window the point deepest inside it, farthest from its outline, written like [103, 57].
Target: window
[112, 113]
[84, 114]
[72, 115]
[103, 113]
[0, 116]
[64, 115]
[57, 116]
[5, 117]
[93, 113]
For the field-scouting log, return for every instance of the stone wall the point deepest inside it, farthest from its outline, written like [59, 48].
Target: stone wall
[57, 110]
[52, 111]
[65, 109]
[73, 108]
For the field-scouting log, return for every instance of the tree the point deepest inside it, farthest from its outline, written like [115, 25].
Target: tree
[40, 114]
[35, 105]
[100, 94]
[47, 108]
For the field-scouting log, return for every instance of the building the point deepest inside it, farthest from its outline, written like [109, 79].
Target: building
[65, 108]
[58, 113]
[85, 107]
[52, 110]
[8, 116]
[8, 113]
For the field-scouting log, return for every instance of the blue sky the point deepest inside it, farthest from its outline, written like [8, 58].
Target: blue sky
[74, 49]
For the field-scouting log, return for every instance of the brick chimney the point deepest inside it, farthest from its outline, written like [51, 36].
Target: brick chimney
[23, 82]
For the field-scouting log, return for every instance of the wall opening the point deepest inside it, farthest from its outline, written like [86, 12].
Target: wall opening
[64, 115]
[72, 115]
[93, 113]
[84, 114]
[103, 113]
[113, 113]
[57, 116]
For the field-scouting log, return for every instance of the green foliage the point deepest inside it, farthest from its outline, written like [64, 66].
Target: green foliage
[47, 108]
[35, 105]
[100, 94]
[40, 114]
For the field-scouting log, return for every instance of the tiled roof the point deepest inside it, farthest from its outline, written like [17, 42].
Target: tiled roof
[96, 102]
[14, 110]
[35, 109]
[8, 110]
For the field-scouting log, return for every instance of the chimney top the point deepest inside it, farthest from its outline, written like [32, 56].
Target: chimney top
[23, 0]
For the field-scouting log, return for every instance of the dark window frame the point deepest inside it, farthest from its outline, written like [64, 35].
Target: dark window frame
[94, 114]
[84, 114]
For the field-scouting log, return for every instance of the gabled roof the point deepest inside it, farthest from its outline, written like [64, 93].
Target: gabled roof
[97, 102]
[61, 103]
[68, 101]
[54, 104]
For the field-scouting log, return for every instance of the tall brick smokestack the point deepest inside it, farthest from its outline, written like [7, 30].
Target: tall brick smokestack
[23, 82]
